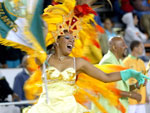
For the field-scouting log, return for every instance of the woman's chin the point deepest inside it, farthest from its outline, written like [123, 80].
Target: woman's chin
[68, 52]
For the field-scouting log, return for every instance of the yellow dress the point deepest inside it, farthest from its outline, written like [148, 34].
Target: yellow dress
[61, 87]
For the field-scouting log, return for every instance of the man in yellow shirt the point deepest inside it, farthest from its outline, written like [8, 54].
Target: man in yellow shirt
[133, 62]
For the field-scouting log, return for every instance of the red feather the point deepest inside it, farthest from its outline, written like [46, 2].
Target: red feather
[96, 43]
[81, 10]
[100, 29]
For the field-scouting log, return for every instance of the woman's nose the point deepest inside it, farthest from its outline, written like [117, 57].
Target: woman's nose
[71, 39]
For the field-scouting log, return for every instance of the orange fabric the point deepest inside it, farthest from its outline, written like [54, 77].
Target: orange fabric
[93, 87]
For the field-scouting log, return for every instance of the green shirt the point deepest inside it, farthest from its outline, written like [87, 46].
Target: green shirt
[110, 58]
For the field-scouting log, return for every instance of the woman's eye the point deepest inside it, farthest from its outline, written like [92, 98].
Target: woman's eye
[67, 37]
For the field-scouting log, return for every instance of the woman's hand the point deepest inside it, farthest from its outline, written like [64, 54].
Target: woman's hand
[126, 74]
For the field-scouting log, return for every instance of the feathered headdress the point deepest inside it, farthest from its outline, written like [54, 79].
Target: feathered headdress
[77, 19]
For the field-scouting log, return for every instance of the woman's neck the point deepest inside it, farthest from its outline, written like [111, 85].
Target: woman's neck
[59, 56]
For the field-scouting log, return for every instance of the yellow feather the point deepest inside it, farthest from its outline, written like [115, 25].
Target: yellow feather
[53, 19]
[16, 45]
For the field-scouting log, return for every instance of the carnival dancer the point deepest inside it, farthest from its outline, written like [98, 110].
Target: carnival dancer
[66, 23]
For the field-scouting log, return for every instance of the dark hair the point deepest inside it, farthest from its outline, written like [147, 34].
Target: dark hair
[134, 44]
[134, 14]
[50, 47]
[58, 37]
[108, 19]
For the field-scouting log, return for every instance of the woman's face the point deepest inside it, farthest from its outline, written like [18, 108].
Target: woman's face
[108, 24]
[66, 43]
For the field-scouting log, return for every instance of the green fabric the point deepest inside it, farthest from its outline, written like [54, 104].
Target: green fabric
[17, 10]
[5, 18]
[37, 24]
[126, 74]
[109, 58]
[133, 57]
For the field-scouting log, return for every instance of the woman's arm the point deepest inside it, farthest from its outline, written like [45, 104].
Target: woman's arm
[88, 68]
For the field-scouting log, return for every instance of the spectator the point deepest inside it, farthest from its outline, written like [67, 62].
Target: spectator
[141, 7]
[133, 62]
[116, 52]
[132, 32]
[108, 25]
[21, 77]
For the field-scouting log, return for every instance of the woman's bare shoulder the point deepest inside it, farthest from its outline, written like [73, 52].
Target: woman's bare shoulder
[81, 61]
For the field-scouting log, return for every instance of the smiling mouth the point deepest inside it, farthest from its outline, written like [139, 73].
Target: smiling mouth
[69, 46]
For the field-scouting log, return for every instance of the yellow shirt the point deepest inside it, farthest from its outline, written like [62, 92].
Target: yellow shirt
[137, 64]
